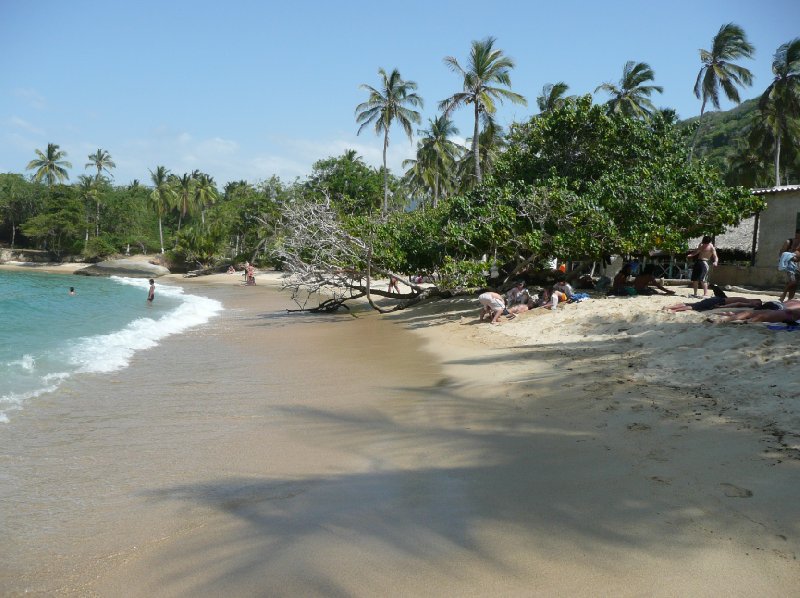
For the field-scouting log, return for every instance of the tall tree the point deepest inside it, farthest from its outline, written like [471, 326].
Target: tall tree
[101, 160]
[205, 193]
[87, 191]
[780, 102]
[632, 97]
[50, 166]
[552, 96]
[161, 197]
[486, 69]
[184, 196]
[438, 155]
[384, 106]
[719, 71]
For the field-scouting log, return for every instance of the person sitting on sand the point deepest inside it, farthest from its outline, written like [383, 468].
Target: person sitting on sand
[231, 269]
[516, 294]
[620, 285]
[646, 280]
[562, 291]
[493, 305]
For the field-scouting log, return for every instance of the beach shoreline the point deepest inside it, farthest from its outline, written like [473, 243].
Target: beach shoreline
[607, 448]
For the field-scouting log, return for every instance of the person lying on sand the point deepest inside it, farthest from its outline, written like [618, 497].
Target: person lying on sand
[714, 303]
[646, 280]
[785, 316]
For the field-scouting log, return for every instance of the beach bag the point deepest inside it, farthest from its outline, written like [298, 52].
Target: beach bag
[785, 263]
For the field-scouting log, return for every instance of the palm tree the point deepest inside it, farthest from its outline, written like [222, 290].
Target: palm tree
[718, 71]
[437, 155]
[205, 193]
[162, 196]
[552, 96]
[384, 106]
[101, 160]
[183, 196]
[780, 102]
[492, 140]
[631, 97]
[87, 189]
[50, 166]
[486, 68]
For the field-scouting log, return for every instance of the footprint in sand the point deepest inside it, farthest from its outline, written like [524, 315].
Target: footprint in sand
[733, 491]
[660, 480]
[638, 427]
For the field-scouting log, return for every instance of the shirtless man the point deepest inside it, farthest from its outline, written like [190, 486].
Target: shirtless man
[788, 263]
[151, 294]
[704, 253]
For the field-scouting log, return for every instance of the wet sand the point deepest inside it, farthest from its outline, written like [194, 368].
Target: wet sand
[276, 454]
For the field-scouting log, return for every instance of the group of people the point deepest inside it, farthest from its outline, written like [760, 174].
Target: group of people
[519, 299]
[630, 280]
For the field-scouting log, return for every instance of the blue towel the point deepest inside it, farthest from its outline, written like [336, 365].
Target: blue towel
[786, 327]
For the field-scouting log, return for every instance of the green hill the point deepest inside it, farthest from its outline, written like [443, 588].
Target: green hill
[722, 133]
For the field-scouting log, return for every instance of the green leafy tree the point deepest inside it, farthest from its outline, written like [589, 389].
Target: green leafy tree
[631, 97]
[354, 187]
[51, 166]
[719, 71]
[385, 105]
[552, 96]
[59, 226]
[162, 197]
[16, 202]
[780, 102]
[484, 80]
[88, 192]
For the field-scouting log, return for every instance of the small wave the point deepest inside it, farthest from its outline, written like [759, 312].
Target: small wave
[110, 352]
[27, 363]
[13, 401]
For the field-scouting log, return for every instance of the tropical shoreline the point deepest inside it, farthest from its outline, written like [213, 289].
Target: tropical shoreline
[558, 453]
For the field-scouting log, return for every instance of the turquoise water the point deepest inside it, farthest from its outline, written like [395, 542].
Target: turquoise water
[48, 335]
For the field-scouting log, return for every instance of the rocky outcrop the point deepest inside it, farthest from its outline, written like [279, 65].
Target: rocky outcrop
[124, 267]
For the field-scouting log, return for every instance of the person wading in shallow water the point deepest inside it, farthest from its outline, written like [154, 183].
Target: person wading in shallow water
[151, 294]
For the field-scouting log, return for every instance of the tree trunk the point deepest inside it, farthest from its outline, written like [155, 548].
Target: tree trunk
[97, 219]
[385, 174]
[161, 235]
[476, 152]
[697, 130]
[778, 159]
[755, 239]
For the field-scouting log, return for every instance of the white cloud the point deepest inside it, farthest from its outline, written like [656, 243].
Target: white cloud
[32, 97]
[19, 123]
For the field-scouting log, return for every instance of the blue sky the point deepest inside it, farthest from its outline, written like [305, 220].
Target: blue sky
[245, 90]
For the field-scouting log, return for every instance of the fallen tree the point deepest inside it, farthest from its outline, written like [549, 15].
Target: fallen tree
[329, 261]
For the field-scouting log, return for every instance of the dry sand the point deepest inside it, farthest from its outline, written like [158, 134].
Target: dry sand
[607, 449]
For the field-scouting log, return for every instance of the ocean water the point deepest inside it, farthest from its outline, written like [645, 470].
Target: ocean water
[48, 335]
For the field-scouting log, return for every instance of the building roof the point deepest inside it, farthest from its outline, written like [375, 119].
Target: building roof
[781, 189]
[739, 237]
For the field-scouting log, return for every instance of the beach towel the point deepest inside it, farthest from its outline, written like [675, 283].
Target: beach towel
[786, 327]
[578, 297]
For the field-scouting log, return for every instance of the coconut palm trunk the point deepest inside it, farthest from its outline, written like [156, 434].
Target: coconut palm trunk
[476, 152]
[385, 173]
[778, 159]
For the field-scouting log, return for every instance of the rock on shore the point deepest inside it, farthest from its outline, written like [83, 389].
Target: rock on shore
[124, 267]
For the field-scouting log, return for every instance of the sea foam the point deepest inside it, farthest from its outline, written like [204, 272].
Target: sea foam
[111, 351]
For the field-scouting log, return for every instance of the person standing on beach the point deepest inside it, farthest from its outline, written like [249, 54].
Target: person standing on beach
[151, 294]
[788, 263]
[704, 253]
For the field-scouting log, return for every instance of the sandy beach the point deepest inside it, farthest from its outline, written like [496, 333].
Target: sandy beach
[606, 449]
